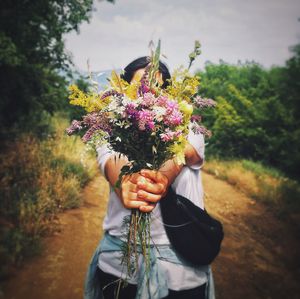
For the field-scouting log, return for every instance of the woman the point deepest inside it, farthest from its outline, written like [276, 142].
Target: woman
[173, 277]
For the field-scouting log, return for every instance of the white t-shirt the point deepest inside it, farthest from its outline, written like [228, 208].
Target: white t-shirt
[188, 184]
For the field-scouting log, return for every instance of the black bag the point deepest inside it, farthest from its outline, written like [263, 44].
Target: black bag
[193, 233]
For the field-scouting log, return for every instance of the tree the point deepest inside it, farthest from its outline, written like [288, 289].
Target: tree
[257, 116]
[32, 54]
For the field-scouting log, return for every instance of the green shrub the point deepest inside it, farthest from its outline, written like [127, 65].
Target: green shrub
[40, 178]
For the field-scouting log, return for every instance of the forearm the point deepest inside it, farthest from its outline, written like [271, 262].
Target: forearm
[171, 168]
[191, 155]
[113, 168]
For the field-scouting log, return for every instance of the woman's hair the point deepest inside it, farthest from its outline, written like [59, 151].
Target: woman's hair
[141, 63]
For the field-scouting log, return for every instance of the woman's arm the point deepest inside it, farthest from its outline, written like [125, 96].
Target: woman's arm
[164, 177]
[143, 190]
[128, 190]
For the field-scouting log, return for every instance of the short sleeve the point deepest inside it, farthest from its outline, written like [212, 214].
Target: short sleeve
[197, 141]
[103, 154]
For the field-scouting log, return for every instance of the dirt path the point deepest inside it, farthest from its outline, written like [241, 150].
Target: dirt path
[259, 257]
[59, 272]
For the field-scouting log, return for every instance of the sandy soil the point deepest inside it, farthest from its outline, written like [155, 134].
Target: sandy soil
[259, 257]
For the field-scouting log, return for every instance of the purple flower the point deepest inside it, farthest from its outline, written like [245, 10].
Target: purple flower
[102, 125]
[93, 121]
[162, 101]
[196, 118]
[169, 135]
[145, 117]
[130, 111]
[197, 129]
[76, 125]
[149, 99]
[171, 106]
[174, 118]
[204, 103]
[151, 125]
[144, 87]
[91, 118]
[111, 93]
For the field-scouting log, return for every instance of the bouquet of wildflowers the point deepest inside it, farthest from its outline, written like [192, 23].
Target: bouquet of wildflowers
[147, 124]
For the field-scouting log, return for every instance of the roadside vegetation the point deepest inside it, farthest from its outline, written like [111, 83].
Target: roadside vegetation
[39, 179]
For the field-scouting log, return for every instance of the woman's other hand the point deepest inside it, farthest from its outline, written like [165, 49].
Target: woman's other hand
[129, 191]
[143, 190]
[152, 186]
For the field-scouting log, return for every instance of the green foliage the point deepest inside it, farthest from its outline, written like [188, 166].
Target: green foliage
[38, 180]
[32, 58]
[257, 115]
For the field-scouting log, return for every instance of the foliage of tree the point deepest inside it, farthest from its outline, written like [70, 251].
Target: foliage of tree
[32, 56]
[257, 115]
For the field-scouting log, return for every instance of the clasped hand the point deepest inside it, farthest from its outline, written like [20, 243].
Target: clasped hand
[143, 190]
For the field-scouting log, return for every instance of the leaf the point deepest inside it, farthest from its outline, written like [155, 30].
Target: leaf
[115, 81]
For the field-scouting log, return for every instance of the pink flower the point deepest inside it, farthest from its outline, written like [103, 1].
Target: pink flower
[151, 125]
[174, 118]
[171, 106]
[161, 101]
[145, 118]
[204, 103]
[197, 129]
[169, 135]
[149, 99]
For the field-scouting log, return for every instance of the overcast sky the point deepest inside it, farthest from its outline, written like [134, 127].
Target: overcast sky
[232, 30]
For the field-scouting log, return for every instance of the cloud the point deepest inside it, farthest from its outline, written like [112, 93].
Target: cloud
[228, 30]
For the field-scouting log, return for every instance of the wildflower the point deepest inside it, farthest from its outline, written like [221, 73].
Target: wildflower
[174, 118]
[145, 117]
[76, 125]
[170, 135]
[203, 102]
[186, 108]
[111, 93]
[196, 118]
[131, 111]
[197, 129]
[162, 101]
[148, 99]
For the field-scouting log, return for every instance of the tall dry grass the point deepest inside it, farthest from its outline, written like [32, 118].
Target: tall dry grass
[39, 178]
[259, 182]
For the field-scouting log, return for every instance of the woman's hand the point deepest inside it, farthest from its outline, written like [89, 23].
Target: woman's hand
[152, 186]
[143, 190]
[129, 191]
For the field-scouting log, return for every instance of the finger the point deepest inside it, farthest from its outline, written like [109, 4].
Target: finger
[156, 188]
[141, 178]
[132, 187]
[133, 177]
[132, 201]
[150, 174]
[128, 186]
[143, 195]
[155, 176]
[147, 209]
[135, 204]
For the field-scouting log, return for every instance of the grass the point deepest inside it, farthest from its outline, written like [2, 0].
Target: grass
[39, 179]
[260, 182]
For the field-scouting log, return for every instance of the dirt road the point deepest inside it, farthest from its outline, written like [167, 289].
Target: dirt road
[259, 257]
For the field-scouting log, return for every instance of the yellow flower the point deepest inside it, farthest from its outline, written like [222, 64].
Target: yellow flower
[90, 101]
[186, 108]
[177, 148]
[131, 90]
[183, 85]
